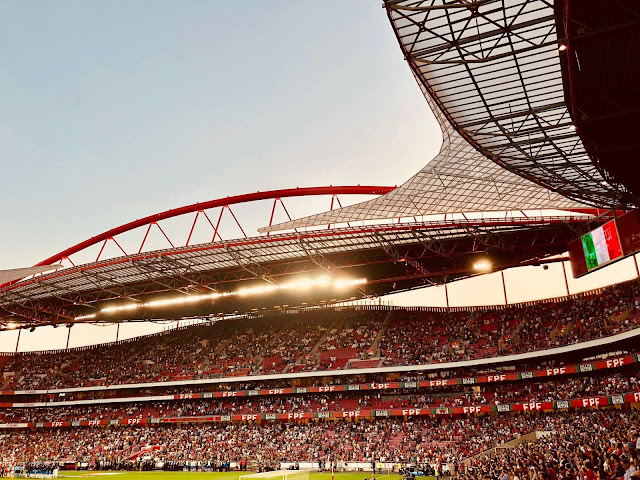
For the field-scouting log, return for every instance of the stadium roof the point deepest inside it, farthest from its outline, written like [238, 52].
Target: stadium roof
[390, 257]
[491, 73]
[458, 180]
[8, 276]
[602, 77]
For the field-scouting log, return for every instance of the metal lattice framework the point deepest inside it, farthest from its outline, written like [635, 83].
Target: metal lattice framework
[490, 71]
[134, 237]
[493, 67]
[458, 180]
[8, 276]
[210, 212]
[407, 254]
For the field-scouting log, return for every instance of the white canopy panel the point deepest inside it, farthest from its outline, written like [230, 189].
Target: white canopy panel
[459, 179]
[490, 71]
[14, 274]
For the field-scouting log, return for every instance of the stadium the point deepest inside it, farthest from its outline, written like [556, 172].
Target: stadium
[280, 353]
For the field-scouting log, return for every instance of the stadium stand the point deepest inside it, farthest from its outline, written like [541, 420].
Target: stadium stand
[593, 445]
[578, 440]
[546, 390]
[491, 394]
[448, 419]
[333, 340]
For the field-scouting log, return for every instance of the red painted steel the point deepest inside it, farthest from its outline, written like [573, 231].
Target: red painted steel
[425, 226]
[193, 226]
[220, 202]
[237, 222]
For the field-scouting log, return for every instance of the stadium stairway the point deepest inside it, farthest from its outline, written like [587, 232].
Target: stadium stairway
[7, 376]
[257, 367]
[396, 440]
[515, 336]
[375, 345]
[529, 437]
[221, 346]
[314, 351]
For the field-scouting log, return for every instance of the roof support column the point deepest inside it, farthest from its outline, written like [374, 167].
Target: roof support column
[504, 287]
[18, 341]
[566, 281]
[68, 336]
[446, 293]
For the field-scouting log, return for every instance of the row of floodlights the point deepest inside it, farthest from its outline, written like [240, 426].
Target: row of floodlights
[324, 281]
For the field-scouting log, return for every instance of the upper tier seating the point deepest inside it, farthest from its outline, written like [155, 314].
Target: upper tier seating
[330, 340]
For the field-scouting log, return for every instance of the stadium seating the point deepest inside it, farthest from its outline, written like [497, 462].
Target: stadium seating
[332, 340]
[262, 418]
[597, 436]
[445, 396]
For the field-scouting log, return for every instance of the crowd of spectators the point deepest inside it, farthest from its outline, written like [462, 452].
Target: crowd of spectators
[293, 343]
[575, 441]
[593, 445]
[445, 396]
[414, 338]
[581, 445]
[329, 340]
[389, 439]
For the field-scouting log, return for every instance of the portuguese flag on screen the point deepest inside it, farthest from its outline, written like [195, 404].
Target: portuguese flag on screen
[601, 245]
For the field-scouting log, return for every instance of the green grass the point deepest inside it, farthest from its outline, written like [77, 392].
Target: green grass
[215, 475]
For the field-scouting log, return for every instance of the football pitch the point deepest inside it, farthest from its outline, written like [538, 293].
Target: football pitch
[158, 475]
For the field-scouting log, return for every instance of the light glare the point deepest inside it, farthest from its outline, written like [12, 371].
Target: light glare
[482, 266]
[301, 284]
[120, 308]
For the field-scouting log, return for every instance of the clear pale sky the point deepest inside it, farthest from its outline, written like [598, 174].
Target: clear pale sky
[116, 110]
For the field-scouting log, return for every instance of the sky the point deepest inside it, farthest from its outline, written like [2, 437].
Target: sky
[111, 111]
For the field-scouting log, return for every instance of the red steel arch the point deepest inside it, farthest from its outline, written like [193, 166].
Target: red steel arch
[220, 202]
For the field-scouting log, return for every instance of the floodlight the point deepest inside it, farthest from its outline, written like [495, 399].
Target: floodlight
[482, 266]
[299, 284]
[120, 308]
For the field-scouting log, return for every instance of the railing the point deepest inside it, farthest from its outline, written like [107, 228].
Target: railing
[200, 323]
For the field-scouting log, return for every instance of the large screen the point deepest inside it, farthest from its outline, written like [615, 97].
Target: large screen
[601, 246]
[606, 244]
